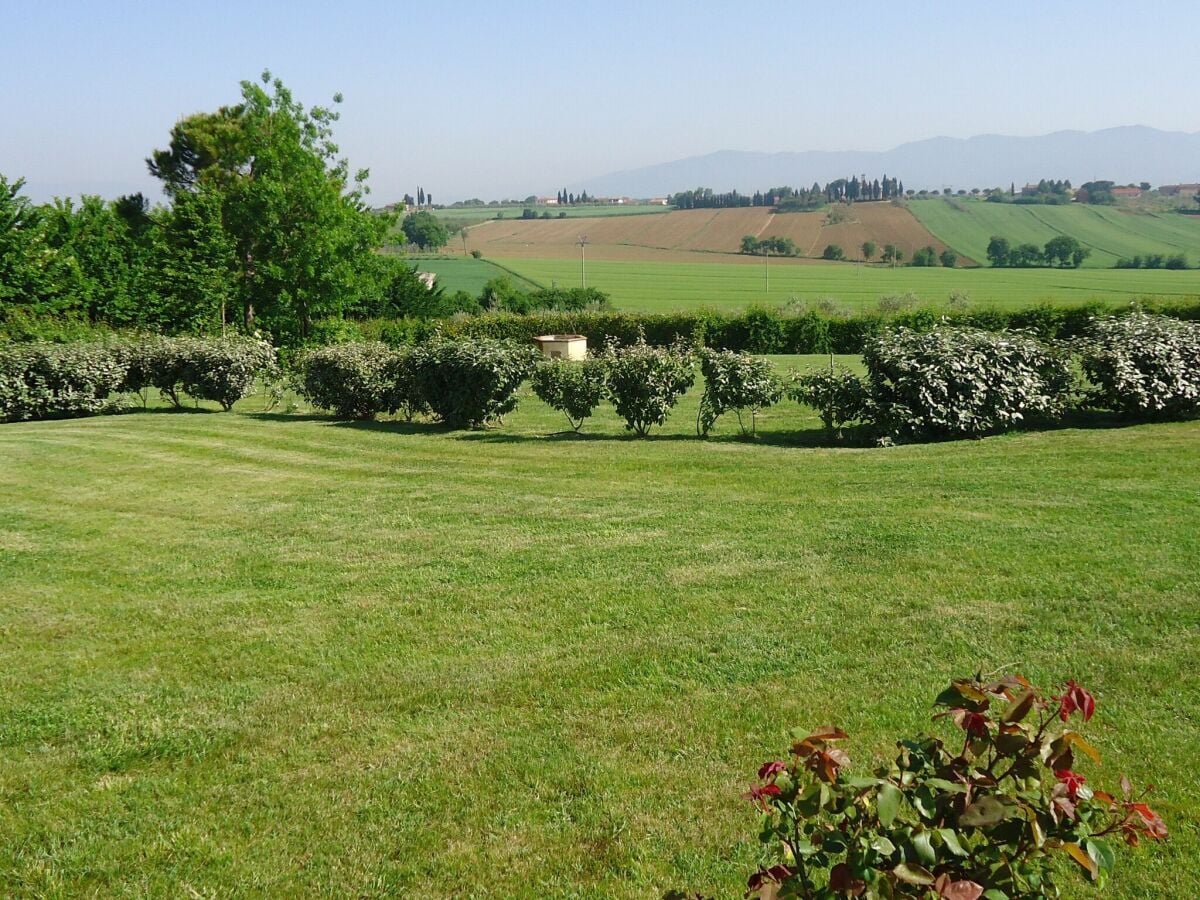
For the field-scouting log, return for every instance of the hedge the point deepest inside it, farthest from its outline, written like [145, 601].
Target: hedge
[43, 380]
[764, 330]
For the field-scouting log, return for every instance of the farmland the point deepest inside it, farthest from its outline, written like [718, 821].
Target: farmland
[685, 259]
[465, 273]
[1109, 232]
[281, 655]
[473, 215]
[653, 286]
[689, 234]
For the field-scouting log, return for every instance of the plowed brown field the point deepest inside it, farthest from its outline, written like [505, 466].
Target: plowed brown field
[687, 234]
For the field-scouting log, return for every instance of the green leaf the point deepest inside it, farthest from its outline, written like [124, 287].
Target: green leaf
[910, 873]
[1102, 853]
[923, 845]
[951, 841]
[995, 894]
[943, 784]
[887, 806]
[883, 846]
[986, 812]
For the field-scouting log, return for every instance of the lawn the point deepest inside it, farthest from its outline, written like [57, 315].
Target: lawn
[271, 654]
[668, 286]
[1109, 232]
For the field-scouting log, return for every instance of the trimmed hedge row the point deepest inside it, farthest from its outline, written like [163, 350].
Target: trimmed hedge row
[945, 382]
[763, 330]
[47, 380]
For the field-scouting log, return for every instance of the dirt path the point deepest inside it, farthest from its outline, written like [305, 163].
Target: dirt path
[765, 225]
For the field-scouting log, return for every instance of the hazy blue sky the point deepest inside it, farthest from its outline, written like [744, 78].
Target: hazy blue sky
[509, 98]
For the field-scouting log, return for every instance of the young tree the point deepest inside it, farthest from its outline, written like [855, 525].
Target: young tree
[424, 230]
[868, 250]
[949, 258]
[198, 280]
[33, 272]
[999, 253]
[926, 257]
[1062, 249]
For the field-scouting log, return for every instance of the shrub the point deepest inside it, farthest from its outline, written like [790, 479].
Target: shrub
[960, 382]
[160, 362]
[224, 370]
[355, 381]
[838, 396]
[1144, 366]
[644, 382]
[989, 813]
[574, 388]
[405, 396]
[477, 254]
[736, 382]
[472, 382]
[926, 257]
[833, 251]
[42, 381]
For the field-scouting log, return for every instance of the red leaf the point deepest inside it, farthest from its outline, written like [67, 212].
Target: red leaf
[1153, 825]
[957, 890]
[1076, 698]
[1071, 781]
[771, 768]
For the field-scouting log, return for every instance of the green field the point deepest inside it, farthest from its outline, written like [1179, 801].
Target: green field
[473, 215]
[465, 273]
[1110, 232]
[276, 655]
[665, 287]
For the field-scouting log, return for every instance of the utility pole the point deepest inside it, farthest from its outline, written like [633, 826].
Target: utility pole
[766, 277]
[583, 242]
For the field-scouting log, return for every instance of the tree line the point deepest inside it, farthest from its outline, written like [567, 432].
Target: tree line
[265, 228]
[1063, 251]
[789, 199]
[422, 199]
[566, 198]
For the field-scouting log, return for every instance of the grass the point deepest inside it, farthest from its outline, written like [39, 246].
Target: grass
[667, 287]
[1111, 233]
[280, 655]
[465, 273]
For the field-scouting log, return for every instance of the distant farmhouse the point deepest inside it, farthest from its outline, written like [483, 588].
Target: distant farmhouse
[1174, 190]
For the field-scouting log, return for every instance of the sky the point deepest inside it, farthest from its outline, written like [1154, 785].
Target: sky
[505, 99]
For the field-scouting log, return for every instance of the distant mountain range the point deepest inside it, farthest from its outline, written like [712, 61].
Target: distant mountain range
[1132, 153]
